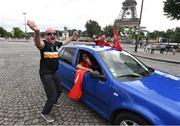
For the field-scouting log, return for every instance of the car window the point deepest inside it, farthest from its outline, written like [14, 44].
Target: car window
[94, 63]
[66, 55]
[122, 64]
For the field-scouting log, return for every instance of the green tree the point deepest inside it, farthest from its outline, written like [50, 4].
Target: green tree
[9, 35]
[3, 32]
[130, 33]
[156, 34]
[153, 35]
[177, 35]
[141, 36]
[18, 33]
[59, 33]
[121, 30]
[92, 28]
[108, 31]
[71, 31]
[172, 9]
[80, 33]
[84, 34]
[170, 34]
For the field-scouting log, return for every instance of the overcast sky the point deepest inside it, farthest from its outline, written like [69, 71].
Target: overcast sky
[74, 13]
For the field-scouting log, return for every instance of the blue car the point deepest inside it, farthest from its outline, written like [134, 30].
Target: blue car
[124, 90]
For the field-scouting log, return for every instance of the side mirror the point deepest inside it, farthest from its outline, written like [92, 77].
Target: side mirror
[97, 75]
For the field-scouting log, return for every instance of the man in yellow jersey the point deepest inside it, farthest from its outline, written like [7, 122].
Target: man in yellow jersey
[48, 66]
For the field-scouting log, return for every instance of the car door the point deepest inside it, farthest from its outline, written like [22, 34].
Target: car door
[96, 91]
[66, 71]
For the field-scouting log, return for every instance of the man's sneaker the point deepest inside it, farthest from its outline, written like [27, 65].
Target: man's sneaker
[48, 118]
[57, 104]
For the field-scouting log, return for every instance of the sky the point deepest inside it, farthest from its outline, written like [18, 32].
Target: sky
[75, 13]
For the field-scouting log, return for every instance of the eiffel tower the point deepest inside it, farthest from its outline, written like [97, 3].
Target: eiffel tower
[128, 15]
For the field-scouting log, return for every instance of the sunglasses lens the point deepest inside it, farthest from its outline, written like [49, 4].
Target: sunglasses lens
[51, 34]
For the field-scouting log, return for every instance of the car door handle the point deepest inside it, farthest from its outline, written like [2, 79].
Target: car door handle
[115, 94]
[100, 82]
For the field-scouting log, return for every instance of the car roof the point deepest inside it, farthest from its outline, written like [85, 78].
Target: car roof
[89, 46]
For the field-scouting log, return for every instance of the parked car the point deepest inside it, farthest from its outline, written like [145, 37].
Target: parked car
[1, 39]
[126, 91]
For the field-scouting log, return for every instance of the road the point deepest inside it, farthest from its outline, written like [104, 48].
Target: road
[161, 62]
[22, 96]
[162, 66]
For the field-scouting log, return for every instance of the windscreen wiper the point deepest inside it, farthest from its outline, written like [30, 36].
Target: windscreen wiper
[129, 75]
[145, 73]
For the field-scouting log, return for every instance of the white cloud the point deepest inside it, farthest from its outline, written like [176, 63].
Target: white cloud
[75, 13]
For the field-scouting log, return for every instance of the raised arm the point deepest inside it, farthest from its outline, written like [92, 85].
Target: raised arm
[68, 40]
[37, 37]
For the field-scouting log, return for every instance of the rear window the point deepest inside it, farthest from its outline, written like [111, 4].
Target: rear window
[66, 55]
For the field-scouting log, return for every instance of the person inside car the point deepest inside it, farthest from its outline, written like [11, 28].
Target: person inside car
[83, 66]
[84, 63]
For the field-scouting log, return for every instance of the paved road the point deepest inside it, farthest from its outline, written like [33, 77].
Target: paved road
[22, 96]
[164, 62]
[172, 68]
[156, 56]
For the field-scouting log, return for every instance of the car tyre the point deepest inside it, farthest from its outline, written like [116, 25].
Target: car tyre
[129, 119]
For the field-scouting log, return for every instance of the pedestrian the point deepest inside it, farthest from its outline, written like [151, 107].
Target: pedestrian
[140, 44]
[162, 48]
[175, 47]
[152, 49]
[48, 65]
[145, 47]
[148, 48]
[168, 46]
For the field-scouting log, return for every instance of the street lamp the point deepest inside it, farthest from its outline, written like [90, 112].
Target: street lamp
[137, 36]
[25, 25]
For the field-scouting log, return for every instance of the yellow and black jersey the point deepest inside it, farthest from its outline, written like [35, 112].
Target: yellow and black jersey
[49, 57]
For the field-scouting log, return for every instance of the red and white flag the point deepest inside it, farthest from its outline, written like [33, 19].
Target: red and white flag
[76, 91]
[116, 43]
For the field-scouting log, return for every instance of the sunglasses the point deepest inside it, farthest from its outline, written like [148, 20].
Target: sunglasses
[51, 34]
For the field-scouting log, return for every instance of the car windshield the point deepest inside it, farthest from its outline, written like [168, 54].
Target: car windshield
[122, 64]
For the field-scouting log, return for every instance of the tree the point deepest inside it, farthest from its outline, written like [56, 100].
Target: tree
[177, 35]
[170, 34]
[121, 30]
[156, 34]
[141, 35]
[108, 30]
[59, 33]
[84, 34]
[172, 9]
[80, 33]
[130, 33]
[3, 32]
[18, 33]
[71, 31]
[92, 28]
[9, 34]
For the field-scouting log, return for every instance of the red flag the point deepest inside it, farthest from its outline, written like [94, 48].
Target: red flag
[116, 43]
[76, 91]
